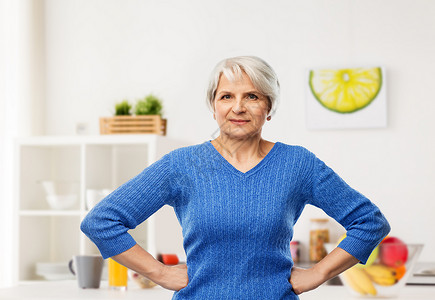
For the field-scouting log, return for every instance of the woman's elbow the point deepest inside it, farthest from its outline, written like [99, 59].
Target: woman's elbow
[385, 227]
[86, 225]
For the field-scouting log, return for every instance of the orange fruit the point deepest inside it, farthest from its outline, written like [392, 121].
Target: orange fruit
[400, 272]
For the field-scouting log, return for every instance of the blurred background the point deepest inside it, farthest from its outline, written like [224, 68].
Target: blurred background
[65, 63]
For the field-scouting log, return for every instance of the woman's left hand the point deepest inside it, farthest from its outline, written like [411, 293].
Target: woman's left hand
[337, 261]
[304, 280]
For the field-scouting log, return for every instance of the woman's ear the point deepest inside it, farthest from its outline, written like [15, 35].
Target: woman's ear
[214, 111]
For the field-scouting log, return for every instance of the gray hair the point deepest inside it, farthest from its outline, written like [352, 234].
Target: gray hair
[262, 75]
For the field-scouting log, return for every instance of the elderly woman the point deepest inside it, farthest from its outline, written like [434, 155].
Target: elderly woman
[237, 198]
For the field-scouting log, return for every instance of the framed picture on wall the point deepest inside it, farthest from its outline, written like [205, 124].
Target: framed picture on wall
[346, 98]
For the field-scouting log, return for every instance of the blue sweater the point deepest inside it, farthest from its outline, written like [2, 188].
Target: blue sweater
[237, 226]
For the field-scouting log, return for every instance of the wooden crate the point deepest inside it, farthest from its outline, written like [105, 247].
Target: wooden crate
[151, 124]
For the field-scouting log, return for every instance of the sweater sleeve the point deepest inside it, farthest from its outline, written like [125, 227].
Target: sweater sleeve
[128, 206]
[366, 226]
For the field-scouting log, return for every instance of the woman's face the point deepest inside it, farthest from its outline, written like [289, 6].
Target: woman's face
[240, 109]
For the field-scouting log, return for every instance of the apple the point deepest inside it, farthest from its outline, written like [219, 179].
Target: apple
[393, 252]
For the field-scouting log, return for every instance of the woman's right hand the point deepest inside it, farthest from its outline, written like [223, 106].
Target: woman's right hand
[172, 277]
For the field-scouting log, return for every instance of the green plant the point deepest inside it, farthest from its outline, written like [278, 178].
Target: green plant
[122, 108]
[150, 105]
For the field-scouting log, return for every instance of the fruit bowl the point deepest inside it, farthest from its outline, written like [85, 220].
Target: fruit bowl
[385, 272]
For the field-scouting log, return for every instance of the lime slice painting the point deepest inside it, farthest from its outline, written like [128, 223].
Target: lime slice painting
[346, 98]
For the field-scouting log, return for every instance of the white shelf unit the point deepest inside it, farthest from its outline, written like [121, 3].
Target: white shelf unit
[95, 162]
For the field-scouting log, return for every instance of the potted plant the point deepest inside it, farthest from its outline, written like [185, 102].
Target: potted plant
[123, 108]
[147, 118]
[150, 105]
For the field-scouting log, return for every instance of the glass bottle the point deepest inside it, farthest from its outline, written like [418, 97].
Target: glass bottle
[319, 235]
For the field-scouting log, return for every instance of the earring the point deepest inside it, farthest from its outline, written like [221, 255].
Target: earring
[269, 117]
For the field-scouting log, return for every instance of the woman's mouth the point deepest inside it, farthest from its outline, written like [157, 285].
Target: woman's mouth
[239, 122]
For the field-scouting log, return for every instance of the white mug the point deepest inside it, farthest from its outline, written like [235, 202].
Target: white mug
[94, 196]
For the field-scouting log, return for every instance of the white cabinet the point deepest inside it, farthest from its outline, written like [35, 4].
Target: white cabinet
[52, 235]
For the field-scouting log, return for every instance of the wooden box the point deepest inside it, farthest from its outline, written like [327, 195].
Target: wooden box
[151, 124]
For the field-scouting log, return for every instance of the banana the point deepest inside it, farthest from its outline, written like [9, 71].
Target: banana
[353, 284]
[385, 281]
[381, 275]
[380, 271]
[359, 281]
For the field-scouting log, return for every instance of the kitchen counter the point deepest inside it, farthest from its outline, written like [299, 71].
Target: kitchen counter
[69, 290]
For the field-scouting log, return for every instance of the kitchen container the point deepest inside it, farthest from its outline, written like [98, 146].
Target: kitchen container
[319, 235]
[61, 195]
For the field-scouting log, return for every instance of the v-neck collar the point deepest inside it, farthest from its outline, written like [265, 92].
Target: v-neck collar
[236, 171]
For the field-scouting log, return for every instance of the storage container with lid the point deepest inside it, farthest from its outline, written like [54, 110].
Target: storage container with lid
[319, 235]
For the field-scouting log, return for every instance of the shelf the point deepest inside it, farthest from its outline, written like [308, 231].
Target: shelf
[94, 163]
[112, 139]
[44, 213]
[46, 239]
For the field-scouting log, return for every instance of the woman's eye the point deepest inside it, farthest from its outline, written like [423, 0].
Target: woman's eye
[226, 97]
[252, 96]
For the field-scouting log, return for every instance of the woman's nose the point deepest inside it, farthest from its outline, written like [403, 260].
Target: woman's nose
[239, 106]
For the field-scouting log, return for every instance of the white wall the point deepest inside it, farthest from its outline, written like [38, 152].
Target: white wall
[22, 85]
[101, 51]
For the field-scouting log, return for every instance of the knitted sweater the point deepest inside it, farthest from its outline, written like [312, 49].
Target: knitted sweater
[236, 226]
